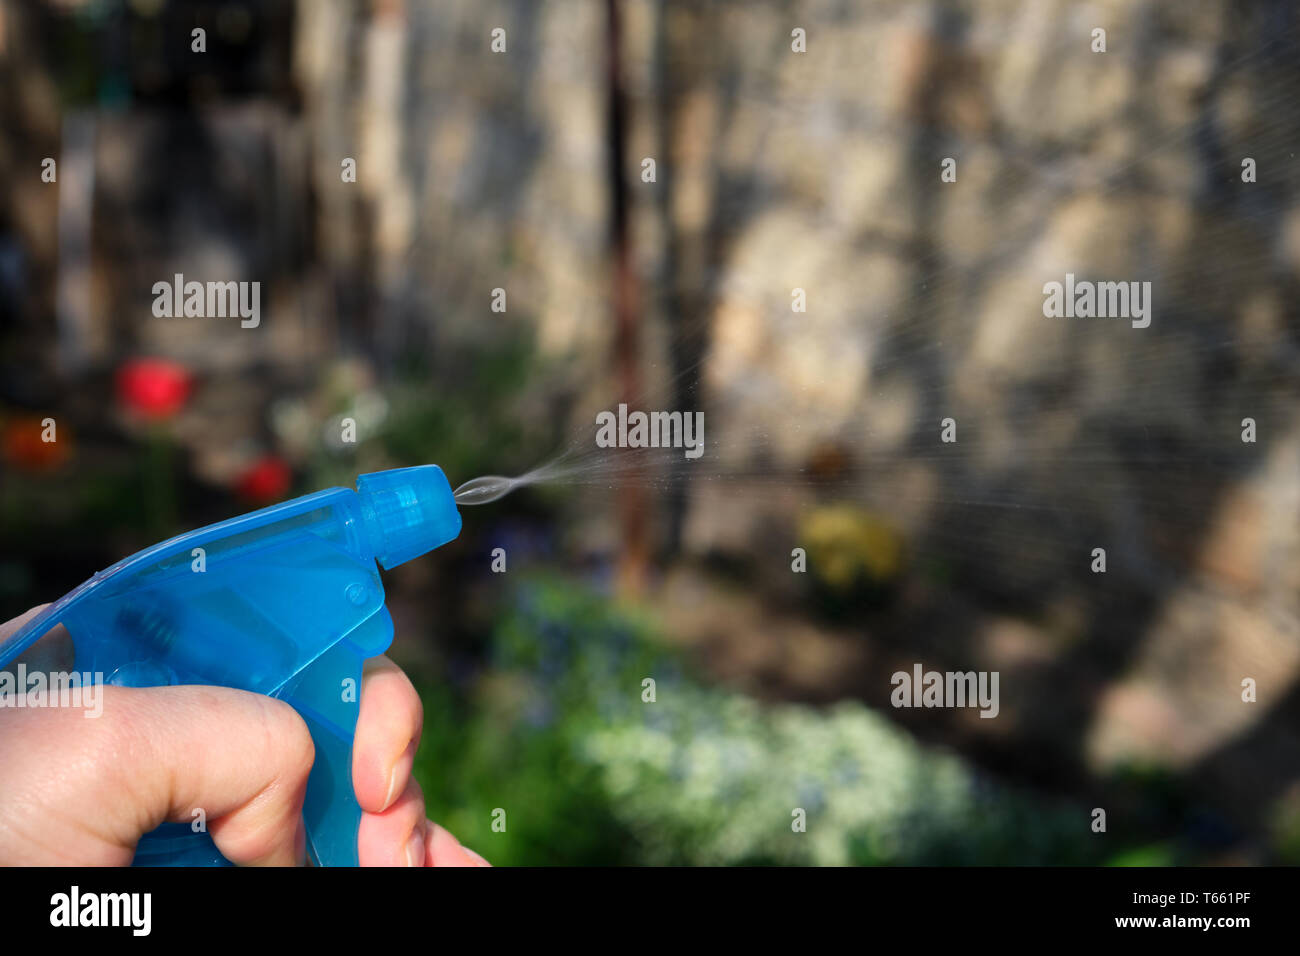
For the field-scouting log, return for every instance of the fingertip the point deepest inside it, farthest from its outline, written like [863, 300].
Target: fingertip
[398, 836]
[445, 850]
[475, 856]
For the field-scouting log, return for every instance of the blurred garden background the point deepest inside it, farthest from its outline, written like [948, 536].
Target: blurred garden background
[796, 145]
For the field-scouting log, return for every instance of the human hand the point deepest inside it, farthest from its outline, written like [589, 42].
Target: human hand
[77, 791]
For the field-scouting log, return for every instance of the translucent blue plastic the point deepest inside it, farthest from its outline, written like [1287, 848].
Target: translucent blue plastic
[285, 602]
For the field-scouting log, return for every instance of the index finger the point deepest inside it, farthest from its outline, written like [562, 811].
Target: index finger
[388, 733]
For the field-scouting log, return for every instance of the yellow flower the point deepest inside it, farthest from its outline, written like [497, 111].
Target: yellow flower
[846, 542]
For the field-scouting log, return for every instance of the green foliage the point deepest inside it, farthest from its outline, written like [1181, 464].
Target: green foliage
[1284, 827]
[587, 771]
[463, 419]
[1152, 854]
[473, 761]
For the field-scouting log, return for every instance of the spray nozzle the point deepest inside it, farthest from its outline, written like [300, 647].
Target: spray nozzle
[407, 512]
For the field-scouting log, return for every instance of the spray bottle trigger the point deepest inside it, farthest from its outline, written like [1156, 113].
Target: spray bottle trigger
[327, 695]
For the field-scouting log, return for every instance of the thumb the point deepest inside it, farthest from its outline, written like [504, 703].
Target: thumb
[83, 791]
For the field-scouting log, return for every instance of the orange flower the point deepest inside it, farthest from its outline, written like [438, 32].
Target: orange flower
[26, 447]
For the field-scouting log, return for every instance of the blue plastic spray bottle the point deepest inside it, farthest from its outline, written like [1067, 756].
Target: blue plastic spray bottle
[285, 601]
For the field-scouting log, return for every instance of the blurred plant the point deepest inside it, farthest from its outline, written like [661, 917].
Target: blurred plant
[855, 559]
[25, 448]
[471, 419]
[470, 415]
[341, 412]
[588, 771]
[847, 544]
[267, 480]
[1151, 854]
[1285, 827]
[154, 391]
[717, 779]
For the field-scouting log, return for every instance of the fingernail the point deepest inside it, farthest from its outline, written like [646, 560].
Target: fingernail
[399, 773]
[415, 849]
[482, 862]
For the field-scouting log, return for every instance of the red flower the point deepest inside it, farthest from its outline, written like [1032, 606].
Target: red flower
[153, 388]
[266, 481]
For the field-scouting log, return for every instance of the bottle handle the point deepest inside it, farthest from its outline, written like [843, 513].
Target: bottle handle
[327, 695]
